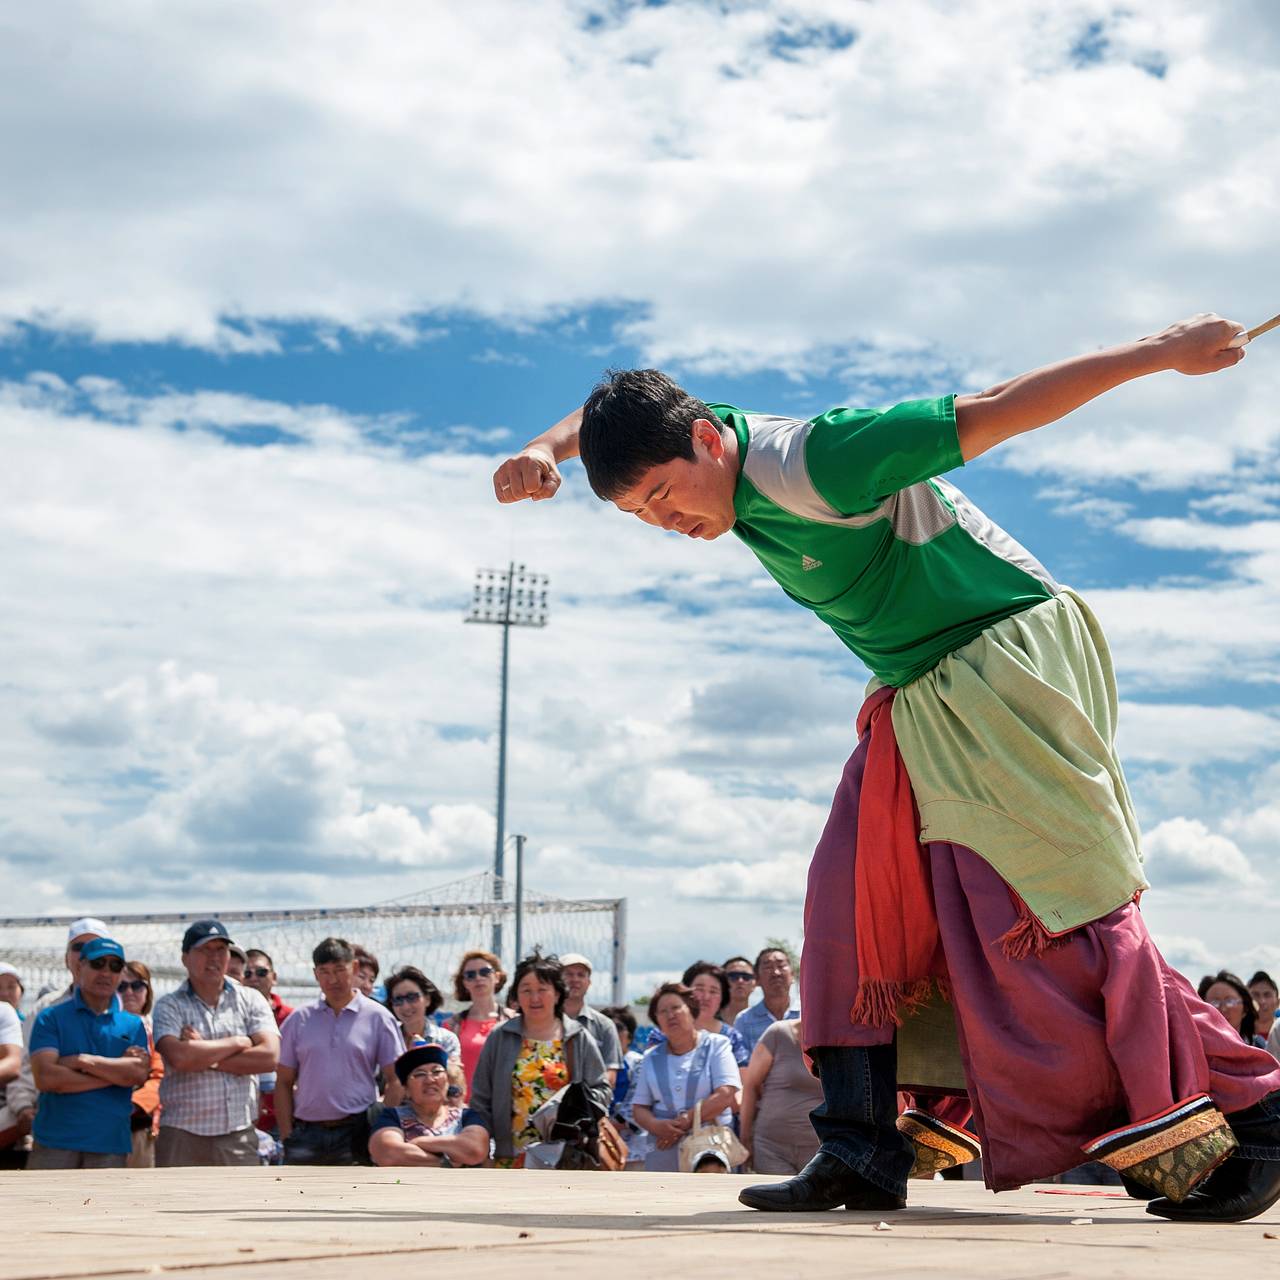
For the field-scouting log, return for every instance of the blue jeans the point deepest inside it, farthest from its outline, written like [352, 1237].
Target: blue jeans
[344, 1143]
[857, 1120]
[1257, 1129]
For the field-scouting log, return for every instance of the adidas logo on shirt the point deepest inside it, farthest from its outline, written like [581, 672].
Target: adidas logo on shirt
[808, 564]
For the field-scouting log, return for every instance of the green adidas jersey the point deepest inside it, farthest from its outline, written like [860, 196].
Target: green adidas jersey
[846, 513]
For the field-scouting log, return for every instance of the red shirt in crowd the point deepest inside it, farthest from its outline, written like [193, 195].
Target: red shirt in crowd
[267, 1112]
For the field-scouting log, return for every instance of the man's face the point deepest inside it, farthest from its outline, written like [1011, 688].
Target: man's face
[235, 966]
[695, 497]
[258, 974]
[1264, 997]
[365, 977]
[775, 973]
[10, 989]
[99, 978]
[577, 978]
[742, 980]
[207, 963]
[336, 980]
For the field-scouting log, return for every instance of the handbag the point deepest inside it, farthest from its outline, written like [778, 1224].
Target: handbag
[574, 1118]
[715, 1140]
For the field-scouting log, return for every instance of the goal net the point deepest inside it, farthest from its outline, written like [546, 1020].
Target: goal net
[430, 929]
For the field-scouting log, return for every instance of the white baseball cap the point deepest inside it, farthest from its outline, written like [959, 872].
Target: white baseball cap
[86, 924]
[576, 957]
[9, 969]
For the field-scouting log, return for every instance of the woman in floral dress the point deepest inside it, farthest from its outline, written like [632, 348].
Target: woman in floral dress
[527, 1060]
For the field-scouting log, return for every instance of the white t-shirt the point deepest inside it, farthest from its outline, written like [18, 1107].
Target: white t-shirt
[716, 1068]
[10, 1025]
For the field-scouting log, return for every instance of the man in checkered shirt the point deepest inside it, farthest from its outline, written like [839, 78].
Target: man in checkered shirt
[216, 1037]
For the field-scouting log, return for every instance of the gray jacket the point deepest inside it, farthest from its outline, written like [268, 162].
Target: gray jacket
[490, 1103]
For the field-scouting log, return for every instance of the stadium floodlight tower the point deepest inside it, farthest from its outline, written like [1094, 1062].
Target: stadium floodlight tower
[506, 598]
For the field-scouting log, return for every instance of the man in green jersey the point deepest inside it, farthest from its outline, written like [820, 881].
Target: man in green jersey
[982, 844]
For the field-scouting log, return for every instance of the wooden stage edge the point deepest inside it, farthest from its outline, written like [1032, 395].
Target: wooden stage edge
[354, 1223]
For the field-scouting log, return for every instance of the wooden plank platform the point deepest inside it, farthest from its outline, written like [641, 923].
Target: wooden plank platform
[312, 1224]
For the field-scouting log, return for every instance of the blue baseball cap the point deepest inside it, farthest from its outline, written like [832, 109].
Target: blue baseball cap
[96, 948]
[204, 931]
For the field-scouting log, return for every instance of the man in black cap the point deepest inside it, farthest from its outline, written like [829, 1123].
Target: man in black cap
[215, 1037]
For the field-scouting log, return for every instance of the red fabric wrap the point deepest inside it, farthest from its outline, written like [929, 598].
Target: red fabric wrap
[900, 960]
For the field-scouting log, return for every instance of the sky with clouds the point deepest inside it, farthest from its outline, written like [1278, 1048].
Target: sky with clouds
[279, 285]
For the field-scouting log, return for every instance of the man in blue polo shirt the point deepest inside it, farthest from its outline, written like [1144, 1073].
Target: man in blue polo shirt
[774, 974]
[87, 1057]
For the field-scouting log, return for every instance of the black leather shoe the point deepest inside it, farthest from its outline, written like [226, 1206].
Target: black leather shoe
[825, 1182]
[1137, 1190]
[1238, 1190]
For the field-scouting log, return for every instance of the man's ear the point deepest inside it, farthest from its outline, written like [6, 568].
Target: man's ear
[707, 434]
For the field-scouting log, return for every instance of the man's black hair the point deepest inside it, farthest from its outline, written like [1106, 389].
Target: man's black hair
[768, 951]
[633, 420]
[332, 951]
[1263, 976]
[258, 951]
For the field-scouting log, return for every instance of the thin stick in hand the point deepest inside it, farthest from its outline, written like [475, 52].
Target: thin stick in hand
[1242, 338]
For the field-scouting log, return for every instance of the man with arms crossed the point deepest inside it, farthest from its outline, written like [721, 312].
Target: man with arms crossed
[87, 1057]
[991, 715]
[216, 1037]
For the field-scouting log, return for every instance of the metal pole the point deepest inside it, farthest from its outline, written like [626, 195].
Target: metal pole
[497, 601]
[519, 897]
[620, 951]
[500, 836]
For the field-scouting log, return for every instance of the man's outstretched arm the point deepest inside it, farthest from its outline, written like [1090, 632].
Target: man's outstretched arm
[1031, 400]
[533, 472]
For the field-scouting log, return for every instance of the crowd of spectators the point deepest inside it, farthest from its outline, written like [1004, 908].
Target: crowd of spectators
[220, 1071]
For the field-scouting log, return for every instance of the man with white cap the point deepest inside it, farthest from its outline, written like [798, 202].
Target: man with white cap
[23, 1094]
[216, 1037]
[576, 971]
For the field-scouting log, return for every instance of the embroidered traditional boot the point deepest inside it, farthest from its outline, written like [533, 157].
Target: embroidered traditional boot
[1245, 1185]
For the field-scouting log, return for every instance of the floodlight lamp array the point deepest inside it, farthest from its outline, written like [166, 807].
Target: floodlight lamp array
[509, 597]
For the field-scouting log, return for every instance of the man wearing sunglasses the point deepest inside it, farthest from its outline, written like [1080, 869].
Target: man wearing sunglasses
[87, 1057]
[23, 1094]
[260, 975]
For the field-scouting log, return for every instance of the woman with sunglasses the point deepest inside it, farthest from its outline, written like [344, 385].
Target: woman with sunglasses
[479, 978]
[427, 1128]
[412, 998]
[136, 996]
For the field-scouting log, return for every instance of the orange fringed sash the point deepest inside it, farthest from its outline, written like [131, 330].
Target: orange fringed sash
[900, 960]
